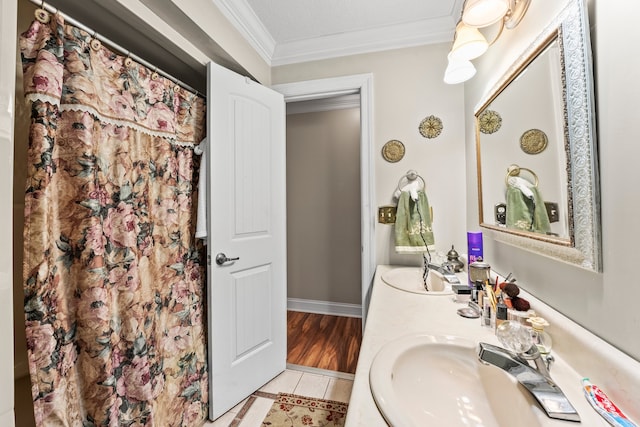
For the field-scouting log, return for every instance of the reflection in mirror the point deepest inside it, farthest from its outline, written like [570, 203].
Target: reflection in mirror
[523, 151]
[537, 164]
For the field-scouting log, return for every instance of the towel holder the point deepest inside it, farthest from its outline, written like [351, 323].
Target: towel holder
[514, 170]
[410, 176]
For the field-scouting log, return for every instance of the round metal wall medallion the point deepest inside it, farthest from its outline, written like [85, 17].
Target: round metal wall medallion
[430, 127]
[533, 141]
[393, 151]
[489, 121]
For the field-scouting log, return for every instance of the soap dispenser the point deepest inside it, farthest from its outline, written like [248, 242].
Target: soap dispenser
[454, 260]
[540, 337]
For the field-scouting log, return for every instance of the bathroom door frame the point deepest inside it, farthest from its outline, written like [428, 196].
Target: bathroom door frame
[8, 34]
[335, 86]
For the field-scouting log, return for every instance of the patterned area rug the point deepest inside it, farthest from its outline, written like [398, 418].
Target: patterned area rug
[290, 410]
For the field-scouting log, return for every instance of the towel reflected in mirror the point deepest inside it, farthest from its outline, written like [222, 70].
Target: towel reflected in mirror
[525, 207]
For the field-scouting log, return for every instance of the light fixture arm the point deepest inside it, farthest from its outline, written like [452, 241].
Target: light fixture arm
[517, 9]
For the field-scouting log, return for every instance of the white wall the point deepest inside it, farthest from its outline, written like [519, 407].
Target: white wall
[594, 300]
[407, 87]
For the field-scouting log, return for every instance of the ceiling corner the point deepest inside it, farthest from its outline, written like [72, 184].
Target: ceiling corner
[243, 19]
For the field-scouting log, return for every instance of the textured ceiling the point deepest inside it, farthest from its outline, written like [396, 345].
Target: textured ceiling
[293, 20]
[289, 31]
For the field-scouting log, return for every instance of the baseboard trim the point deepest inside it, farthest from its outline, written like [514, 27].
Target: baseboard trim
[324, 307]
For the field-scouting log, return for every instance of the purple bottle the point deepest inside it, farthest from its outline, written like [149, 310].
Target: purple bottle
[474, 249]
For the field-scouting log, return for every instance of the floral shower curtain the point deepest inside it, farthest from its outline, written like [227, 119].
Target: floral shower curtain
[114, 283]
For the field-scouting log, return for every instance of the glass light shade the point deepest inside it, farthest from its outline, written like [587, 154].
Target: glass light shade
[458, 71]
[469, 43]
[482, 13]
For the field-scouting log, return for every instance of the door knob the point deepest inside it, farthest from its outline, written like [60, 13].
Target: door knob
[222, 259]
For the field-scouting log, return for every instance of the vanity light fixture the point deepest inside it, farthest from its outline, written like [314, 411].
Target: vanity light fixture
[469, 43]
[482, 13]
[458, 71]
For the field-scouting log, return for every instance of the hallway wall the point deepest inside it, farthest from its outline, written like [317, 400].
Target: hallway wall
[323, 206]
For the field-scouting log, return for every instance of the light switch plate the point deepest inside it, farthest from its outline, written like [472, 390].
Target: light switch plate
[552, 211]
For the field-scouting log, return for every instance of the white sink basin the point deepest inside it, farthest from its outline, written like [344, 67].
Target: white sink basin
[426, 380]
[409, 279]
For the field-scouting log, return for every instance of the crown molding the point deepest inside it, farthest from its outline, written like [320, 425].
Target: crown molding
[365, 41]
[242, 17]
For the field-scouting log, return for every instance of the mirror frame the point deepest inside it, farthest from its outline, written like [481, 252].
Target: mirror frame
[583, 248]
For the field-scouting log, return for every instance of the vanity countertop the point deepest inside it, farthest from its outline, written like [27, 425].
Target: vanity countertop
[394, 313]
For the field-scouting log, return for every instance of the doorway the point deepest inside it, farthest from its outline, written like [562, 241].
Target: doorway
[331, 87]
[323, 205]
[323, 233]
[329, 179]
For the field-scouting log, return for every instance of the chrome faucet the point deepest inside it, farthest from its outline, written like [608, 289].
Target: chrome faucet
[447, 272]
[536, 381]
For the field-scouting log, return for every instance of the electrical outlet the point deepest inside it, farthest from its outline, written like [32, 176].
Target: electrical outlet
[501, 213]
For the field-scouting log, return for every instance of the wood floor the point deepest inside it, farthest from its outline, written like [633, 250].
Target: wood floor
[323, 341]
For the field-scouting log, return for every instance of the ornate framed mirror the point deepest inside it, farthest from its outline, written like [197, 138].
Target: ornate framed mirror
[538, 184]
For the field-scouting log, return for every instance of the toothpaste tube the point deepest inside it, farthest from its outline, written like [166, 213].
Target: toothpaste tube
[604, 406]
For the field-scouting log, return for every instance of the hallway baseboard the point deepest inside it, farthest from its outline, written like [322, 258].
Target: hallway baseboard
[324, 307]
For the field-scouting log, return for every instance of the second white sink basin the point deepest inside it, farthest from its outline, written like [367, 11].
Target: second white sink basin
[426, 380]
[409, 279]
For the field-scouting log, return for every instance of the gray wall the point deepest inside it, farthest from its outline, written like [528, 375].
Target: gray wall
[601, 302]
[323, 206]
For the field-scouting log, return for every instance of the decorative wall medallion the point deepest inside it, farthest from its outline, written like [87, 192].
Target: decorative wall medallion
[393, 151]
[533, 141]
[489, 121]
[430, 127]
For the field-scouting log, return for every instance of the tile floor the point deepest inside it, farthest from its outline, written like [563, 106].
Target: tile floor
[310, 382]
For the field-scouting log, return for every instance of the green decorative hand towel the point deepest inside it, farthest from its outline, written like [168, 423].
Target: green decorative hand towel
[413, 224]
[525, 213]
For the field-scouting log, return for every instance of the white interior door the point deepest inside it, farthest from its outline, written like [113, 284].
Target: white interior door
[247, 206]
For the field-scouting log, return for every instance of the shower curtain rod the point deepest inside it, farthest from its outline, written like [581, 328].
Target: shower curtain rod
[113, 45]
